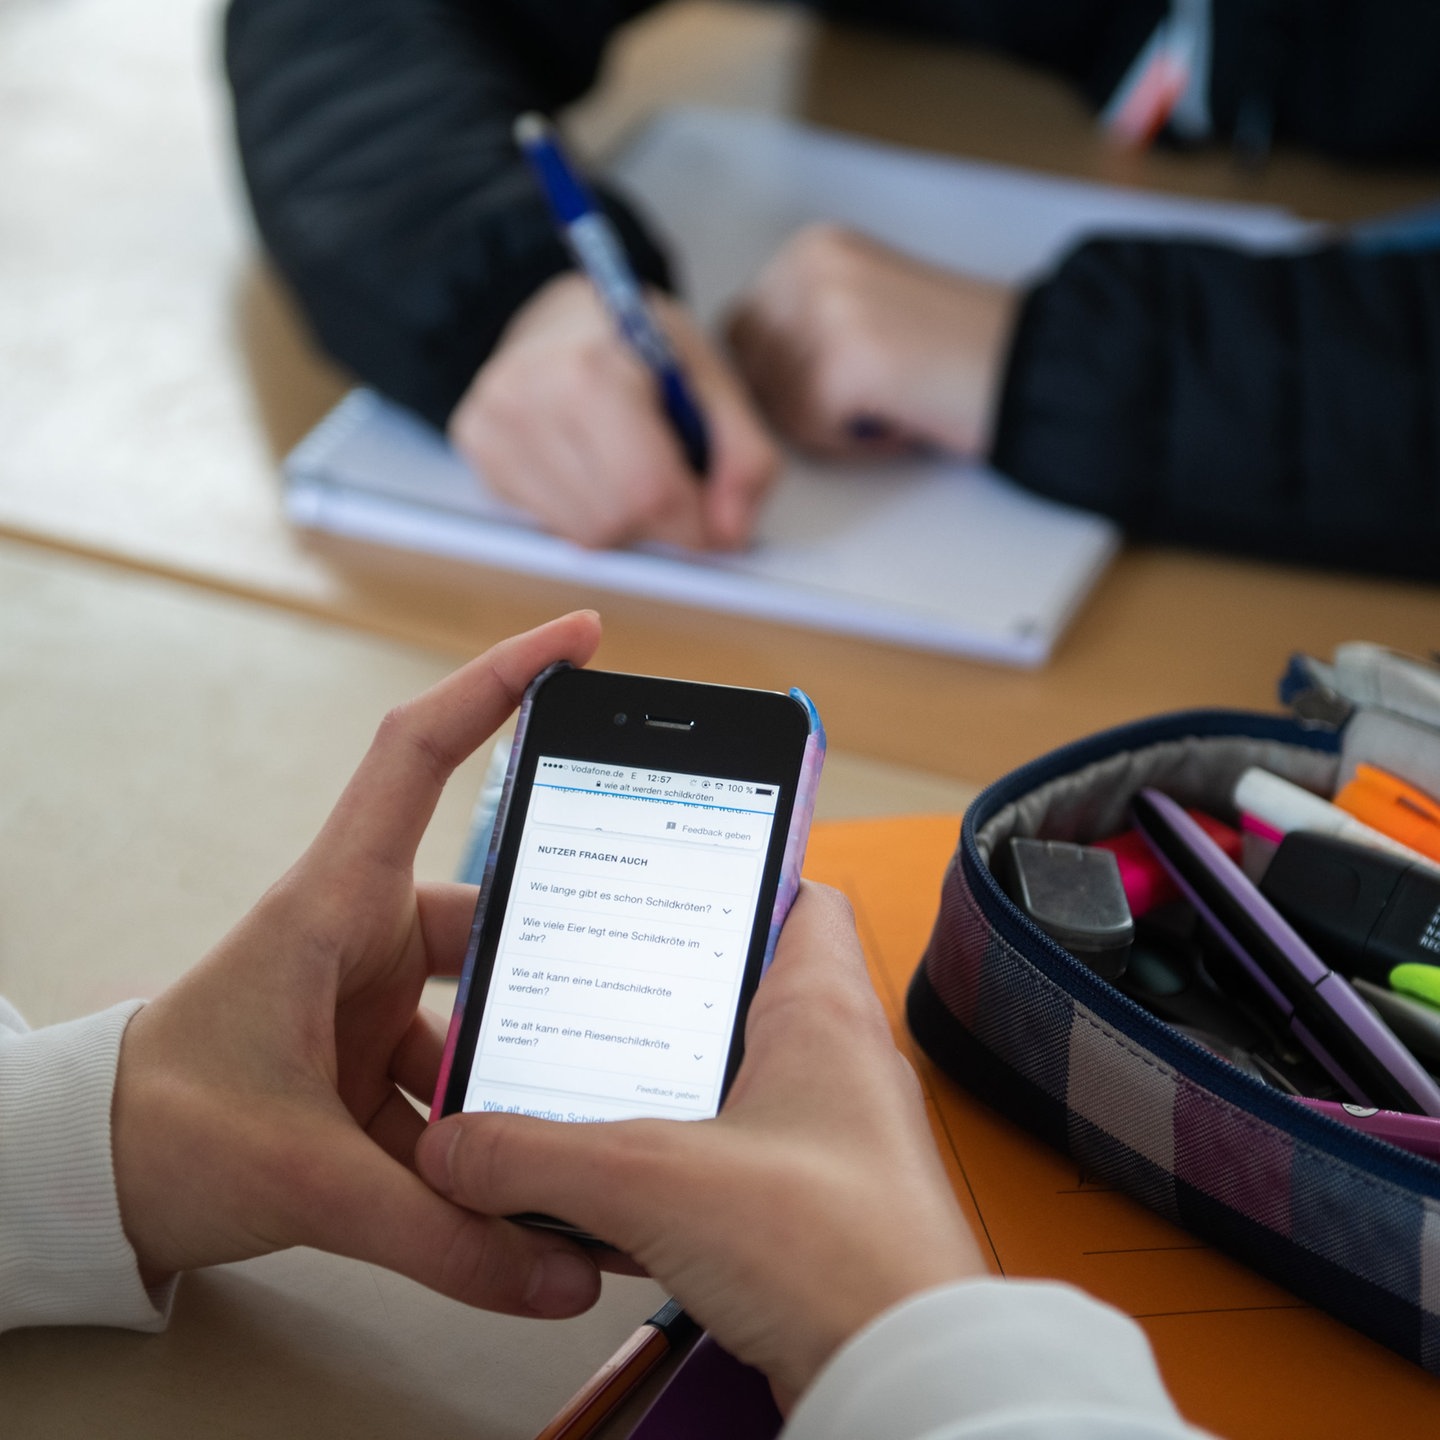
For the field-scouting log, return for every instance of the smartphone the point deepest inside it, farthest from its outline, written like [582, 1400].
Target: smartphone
[647, 848]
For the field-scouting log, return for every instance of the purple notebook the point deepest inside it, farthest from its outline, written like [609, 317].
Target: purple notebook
[712, 1396]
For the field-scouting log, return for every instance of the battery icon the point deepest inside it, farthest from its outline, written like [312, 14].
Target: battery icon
[759, 791]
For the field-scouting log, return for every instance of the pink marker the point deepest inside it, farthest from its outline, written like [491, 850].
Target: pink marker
[1147, 883]
[1253, 825]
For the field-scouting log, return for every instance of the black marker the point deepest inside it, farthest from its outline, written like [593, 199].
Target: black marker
[1364, 910]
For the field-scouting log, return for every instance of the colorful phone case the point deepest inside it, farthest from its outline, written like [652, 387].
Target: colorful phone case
[807, 787]
[791, 863]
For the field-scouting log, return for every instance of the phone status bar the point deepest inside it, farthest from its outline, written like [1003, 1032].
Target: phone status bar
[647, 784]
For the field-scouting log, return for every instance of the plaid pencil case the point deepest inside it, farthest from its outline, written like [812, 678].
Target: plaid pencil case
[1345, 1221]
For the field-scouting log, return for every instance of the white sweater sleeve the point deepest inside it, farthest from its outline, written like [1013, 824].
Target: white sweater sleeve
[992, 1360]
[64, 1258]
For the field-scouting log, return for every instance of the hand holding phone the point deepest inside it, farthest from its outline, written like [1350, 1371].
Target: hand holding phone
[649, 844]
[812, 1204]
[258, 1099]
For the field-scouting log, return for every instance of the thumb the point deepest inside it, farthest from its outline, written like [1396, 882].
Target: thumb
[372, 1208]
[508, 1164]
[743, 467]
[386, 807]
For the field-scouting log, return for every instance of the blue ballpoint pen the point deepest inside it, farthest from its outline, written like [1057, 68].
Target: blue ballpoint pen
[597, 249]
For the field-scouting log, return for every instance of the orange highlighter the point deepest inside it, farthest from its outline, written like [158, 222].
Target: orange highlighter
[1393, 807]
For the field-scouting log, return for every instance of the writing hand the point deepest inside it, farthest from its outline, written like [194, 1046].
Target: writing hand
[258, 1101]
[564, 421]
[852, 348]
[815, 1201]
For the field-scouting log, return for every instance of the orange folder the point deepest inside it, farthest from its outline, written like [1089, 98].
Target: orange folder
[1241, 1356]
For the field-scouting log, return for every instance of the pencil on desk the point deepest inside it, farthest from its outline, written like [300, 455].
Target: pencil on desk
[621, 1374]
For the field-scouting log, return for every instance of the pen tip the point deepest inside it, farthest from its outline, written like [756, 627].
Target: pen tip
[530, 128]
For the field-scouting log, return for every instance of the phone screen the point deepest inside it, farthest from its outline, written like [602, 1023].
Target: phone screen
[622, 955]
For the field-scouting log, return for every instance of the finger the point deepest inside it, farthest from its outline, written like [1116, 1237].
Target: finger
[744, 465]
[743, 458]
[816, 395]
[744, 472]
[584, 503]
[415, 1063]
[505, 426]
[616, 1262]
[385, 808]
[652, 493]
[500, 434]
[475, 438]
[557, 476]
[447, 912]
[797, 338]
[771, 352]
[592, 456]
[395, 1127]
[578, 439]
[508, 1164]
[366, 1206]
[819, 953]
[817, 988]
[818, 942]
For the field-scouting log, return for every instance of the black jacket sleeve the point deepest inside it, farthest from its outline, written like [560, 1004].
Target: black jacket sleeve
[1286, 406]
[375, 135]
[1358, 78]
[375, 141]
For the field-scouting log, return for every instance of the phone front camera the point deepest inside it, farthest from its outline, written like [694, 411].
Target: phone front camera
[621, 718]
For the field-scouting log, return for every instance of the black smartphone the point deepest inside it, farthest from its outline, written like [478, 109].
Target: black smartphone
[648, 845]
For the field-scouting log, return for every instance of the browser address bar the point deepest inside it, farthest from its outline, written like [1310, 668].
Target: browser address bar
[677, 818]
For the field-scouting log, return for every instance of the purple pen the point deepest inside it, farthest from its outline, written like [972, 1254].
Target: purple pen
[1419, 1134]
[1317, 1006]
